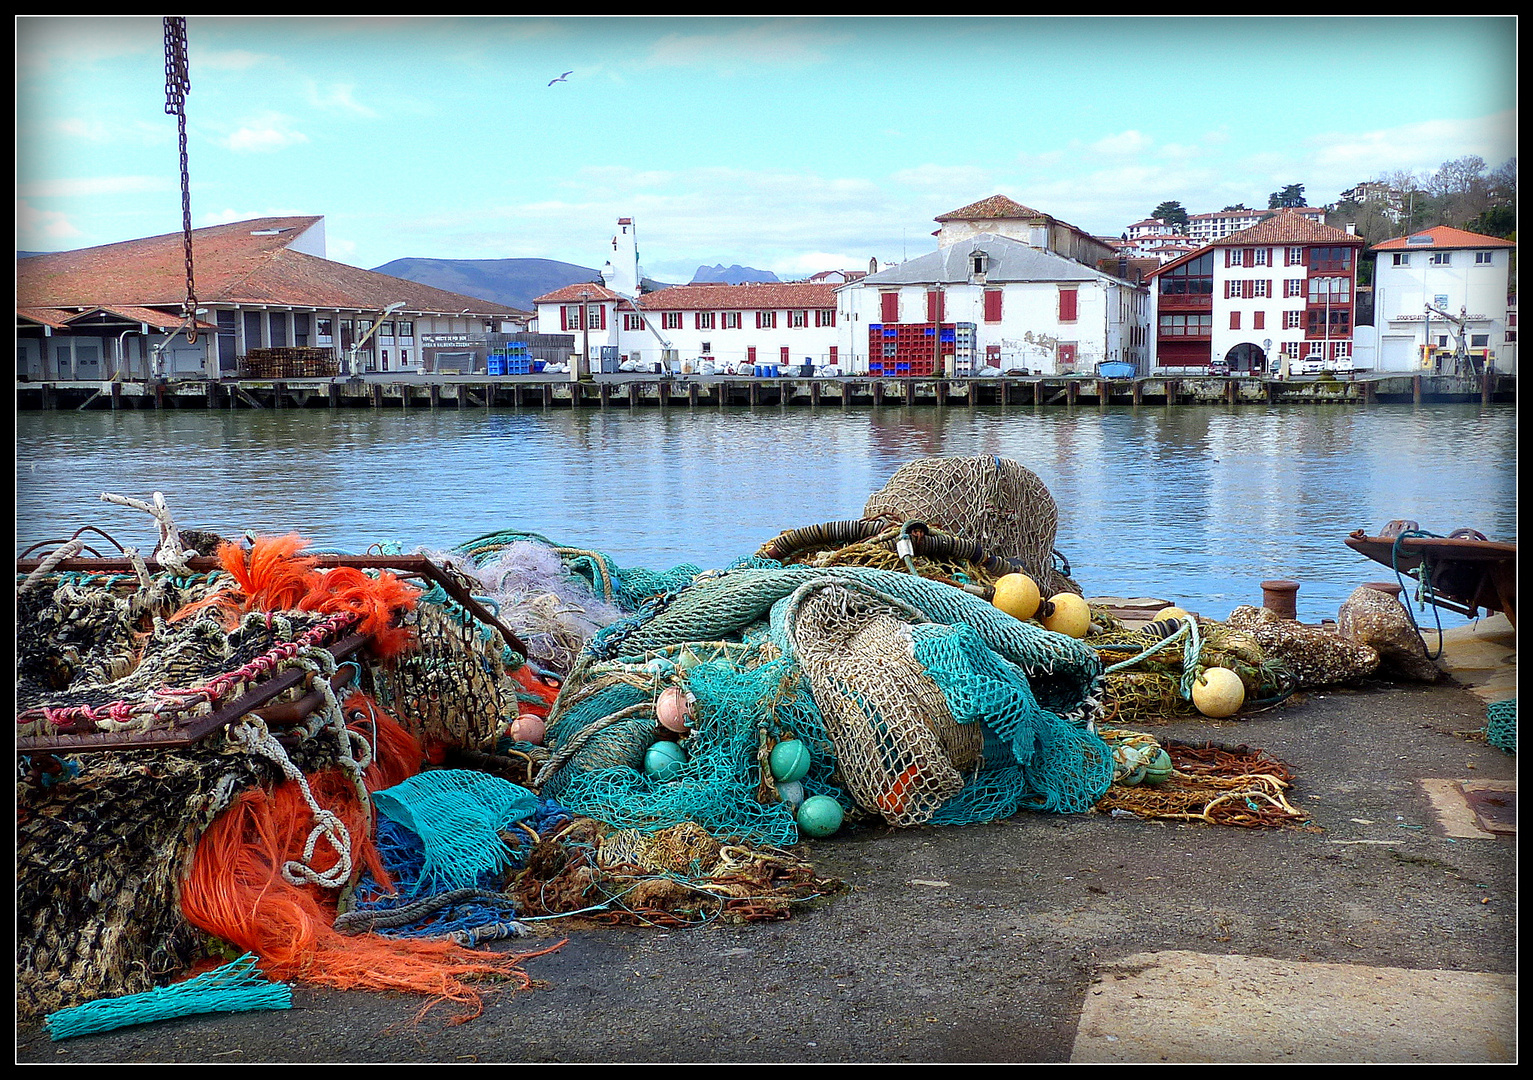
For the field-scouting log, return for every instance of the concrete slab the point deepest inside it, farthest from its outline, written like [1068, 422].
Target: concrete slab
[1482, 656]
[1187, 1007]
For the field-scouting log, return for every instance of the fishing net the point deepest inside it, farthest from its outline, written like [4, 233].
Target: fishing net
[1501, 724]
[1315, 657]
[767, 652]
[674, 877]
[994, 501]
[1219, 785]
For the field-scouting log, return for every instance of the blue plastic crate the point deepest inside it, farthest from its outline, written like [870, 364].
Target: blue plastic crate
[495, 365]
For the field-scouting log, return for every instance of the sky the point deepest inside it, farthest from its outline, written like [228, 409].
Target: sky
[787, 144]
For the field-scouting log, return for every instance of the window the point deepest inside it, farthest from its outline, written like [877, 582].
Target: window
[633, 321]
[1442, 258]
[1340, 324]
[766, 320]
[1234, 320]
[569, 317]
[1259, 321]
[1294, 257]
[992, 305]
[1293, 287]
[324, 329]
[1068, 304]
[1340, 350]
[670, 320]
[1193, 278]
[1291, 349]
[934, 305]
[1401, 258]
[825, 317]
[1479, 341]
[703, 320]
[783, 356]
[835, 353]
[596, 316]
[1482, 258]
[889, 306]
[1234, 257]
[750, 354]
[1186, 325]
[731, 320]
[1330, 260]
[1259, 257]
[798, 318]
[1330, 290]
[1293, 320]
[707, 348]
[407, 328]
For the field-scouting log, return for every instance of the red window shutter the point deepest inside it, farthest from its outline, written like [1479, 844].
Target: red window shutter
[1234, 320]
[891, 307]
[992, 305]
[750, 354]
[835, 351]
[1259, 321]
[1067, 301]
[601, 315]
[784, 354]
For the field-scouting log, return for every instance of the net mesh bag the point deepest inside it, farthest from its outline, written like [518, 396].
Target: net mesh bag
[995, 501]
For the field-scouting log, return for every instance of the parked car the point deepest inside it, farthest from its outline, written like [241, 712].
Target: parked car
[1219, 367]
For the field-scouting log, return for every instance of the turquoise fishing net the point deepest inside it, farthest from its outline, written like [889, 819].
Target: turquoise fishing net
[1501, 725]
[626, 587]
[238, 986]
[1033, 693]
[458, 815]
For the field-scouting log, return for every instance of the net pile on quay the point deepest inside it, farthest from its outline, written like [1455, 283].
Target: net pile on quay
[360, 769]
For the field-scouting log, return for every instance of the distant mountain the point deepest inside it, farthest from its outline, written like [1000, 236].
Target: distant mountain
[513, 282]
[735, 275]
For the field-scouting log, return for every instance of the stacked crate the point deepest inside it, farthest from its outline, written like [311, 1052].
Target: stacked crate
[914, 350]
[292, 362]
[512, 358]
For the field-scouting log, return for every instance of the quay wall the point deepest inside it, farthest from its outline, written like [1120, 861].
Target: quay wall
[638, 391]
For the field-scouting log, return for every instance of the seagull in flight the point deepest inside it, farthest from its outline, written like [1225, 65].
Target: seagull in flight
[561, 78]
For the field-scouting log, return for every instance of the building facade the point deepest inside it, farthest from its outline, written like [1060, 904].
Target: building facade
[1279, 296]
[1441, 291]
[690, 325]
[1206, 228]
[114, 312]
[1032, 308]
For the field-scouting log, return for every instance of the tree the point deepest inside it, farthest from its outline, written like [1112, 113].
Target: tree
[1292, 195]
[1232, 209]
[1172, 213]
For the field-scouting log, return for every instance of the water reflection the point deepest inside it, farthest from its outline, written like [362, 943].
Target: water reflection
[1194, 504]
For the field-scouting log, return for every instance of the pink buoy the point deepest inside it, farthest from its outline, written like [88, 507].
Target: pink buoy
[673, 709]
[529, 729]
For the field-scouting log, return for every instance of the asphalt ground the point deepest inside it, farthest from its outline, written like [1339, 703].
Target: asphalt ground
[992, 943]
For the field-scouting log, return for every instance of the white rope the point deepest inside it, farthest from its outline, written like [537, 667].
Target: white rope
[168, 553]
[44, 568]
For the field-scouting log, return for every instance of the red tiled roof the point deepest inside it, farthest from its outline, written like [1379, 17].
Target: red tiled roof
[1444, 236]
[245, 262]
[1286, 226]
[996, 206]
[764, 296]
[572, 294]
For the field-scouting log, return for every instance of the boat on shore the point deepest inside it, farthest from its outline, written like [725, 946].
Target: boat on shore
[1462, 572]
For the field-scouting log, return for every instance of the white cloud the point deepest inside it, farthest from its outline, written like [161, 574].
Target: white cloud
[1124, 143]
[748, 47]
[264, 134]
[338, 97]
[42, 230]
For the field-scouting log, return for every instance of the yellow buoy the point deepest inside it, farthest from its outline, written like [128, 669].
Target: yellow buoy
[1071, 617]
[1017, 595]
[1172, 612]
[1218, 692]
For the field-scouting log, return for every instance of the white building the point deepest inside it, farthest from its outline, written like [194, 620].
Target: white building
[689, 325]
[1206, 228]
[1031, 307]
[1425, 285]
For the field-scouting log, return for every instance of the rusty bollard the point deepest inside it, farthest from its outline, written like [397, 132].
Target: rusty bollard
[1279, 596]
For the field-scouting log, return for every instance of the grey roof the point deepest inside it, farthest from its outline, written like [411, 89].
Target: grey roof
[1010, 260]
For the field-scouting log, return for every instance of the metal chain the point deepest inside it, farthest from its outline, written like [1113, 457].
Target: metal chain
[178, 84]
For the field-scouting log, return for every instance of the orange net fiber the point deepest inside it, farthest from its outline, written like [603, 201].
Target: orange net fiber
[235, 890]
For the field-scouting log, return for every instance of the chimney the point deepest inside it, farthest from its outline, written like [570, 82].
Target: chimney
[1351, 228]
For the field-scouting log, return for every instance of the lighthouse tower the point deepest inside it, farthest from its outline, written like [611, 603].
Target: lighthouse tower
[622, 273]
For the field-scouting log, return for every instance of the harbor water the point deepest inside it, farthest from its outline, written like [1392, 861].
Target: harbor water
[1194, 504]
